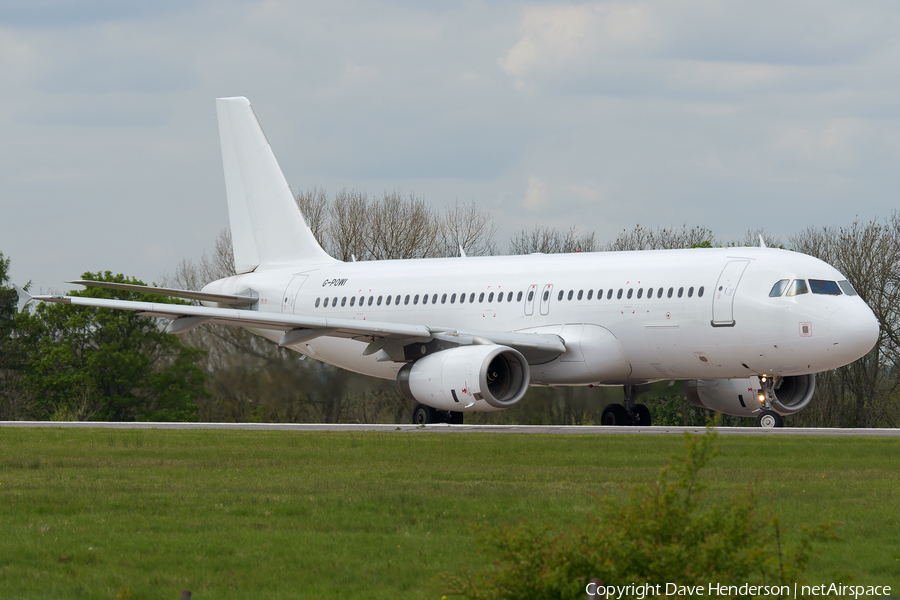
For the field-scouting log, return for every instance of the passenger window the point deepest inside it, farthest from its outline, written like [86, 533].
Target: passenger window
[778, 288]
[379, 301]
[406, 300]
[561, 293]
[388, 302]
[848, 289]
[669, 294]
[649, 293]
[546, 295]
[827, 288]
[325, 303]
[700, 292]
[500, 297]
[690, 291]
[798, 286]
[659, 293]
[424, 298]
[362, 300]
[610, 293]
[453, 299]
[571, 292]
[680, 292]
[491, 297]
[318, 301]
[444, 299]
[530, 295]
[416, 299]
[519, 296]
[630, 292]
[434, 299]
[590, 294]
[481, 297]
[353, 301]
[619, 295]
[472, 297]
[640, 293]
[397, 300]
[580, 294]
[462, 298]
[344, 301]
[509, 296]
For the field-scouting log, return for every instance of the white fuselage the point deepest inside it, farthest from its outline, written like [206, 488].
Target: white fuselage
[718, 320]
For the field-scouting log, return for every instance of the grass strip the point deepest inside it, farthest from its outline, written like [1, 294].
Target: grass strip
[87, 513]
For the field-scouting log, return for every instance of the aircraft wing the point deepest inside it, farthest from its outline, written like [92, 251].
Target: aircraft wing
[389, 337]
[160, 291]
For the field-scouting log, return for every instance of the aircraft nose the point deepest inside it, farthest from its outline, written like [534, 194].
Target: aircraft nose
[855, 330]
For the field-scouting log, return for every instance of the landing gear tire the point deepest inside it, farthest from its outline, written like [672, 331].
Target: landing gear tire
[423, 415]
[641, 415]
[615, 414]
[769, 418]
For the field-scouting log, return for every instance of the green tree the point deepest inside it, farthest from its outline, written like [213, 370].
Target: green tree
[111, 365]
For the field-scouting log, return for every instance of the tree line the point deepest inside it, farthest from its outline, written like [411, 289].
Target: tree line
[64, 362]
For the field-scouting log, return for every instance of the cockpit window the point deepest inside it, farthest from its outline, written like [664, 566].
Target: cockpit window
[848, 289]
[827, 288]
[798, 286]
[778, 288]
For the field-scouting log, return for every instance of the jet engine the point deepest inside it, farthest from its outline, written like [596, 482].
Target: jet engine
[467, 379]
[740, 397]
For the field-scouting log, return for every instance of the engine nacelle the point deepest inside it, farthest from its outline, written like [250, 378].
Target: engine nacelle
[738, 397]
[467, 379]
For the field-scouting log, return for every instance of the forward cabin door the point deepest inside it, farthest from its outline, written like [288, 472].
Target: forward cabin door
[289, 299]
[723, 295]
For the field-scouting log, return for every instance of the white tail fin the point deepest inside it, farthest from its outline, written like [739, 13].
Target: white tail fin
[267, 227]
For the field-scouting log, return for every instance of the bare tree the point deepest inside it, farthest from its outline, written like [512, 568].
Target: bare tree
[548, 240]
[401, 228]
[663, 238]
[752, 239]
[468, 227]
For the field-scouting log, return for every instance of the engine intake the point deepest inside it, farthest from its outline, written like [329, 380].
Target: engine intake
[467, 379]
[739, 396]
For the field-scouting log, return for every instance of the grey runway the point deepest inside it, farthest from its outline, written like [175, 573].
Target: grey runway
[444, 428]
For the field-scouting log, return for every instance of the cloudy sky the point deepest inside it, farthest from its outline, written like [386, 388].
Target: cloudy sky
[732, 115]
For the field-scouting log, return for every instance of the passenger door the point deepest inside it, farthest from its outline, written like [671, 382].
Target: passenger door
[723, 295]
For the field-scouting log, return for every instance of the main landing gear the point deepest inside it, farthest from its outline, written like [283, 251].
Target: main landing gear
[629, 413]
[424, 414]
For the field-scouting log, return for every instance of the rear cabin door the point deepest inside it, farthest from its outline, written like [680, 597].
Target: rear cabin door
[723, 295]
[289, 299]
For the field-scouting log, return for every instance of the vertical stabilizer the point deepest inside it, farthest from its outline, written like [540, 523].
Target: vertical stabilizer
[266, 225]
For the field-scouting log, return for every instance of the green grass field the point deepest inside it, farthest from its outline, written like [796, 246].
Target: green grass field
[252, 514]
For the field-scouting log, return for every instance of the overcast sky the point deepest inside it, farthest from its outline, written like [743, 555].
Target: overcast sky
[732, 115]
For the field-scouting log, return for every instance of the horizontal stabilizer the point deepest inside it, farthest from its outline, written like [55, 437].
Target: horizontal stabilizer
[159, 291]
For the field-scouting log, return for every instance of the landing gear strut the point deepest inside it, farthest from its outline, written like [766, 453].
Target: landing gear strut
[628, 413]
[768, 417]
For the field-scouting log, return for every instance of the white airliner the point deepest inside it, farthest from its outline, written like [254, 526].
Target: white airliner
[747, 328]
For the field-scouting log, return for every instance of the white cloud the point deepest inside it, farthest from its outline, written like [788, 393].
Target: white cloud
[536, 195]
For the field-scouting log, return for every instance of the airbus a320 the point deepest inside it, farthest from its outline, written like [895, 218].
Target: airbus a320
[745, 328]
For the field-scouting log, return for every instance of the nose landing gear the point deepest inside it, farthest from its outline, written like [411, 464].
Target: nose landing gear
[768, 417]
